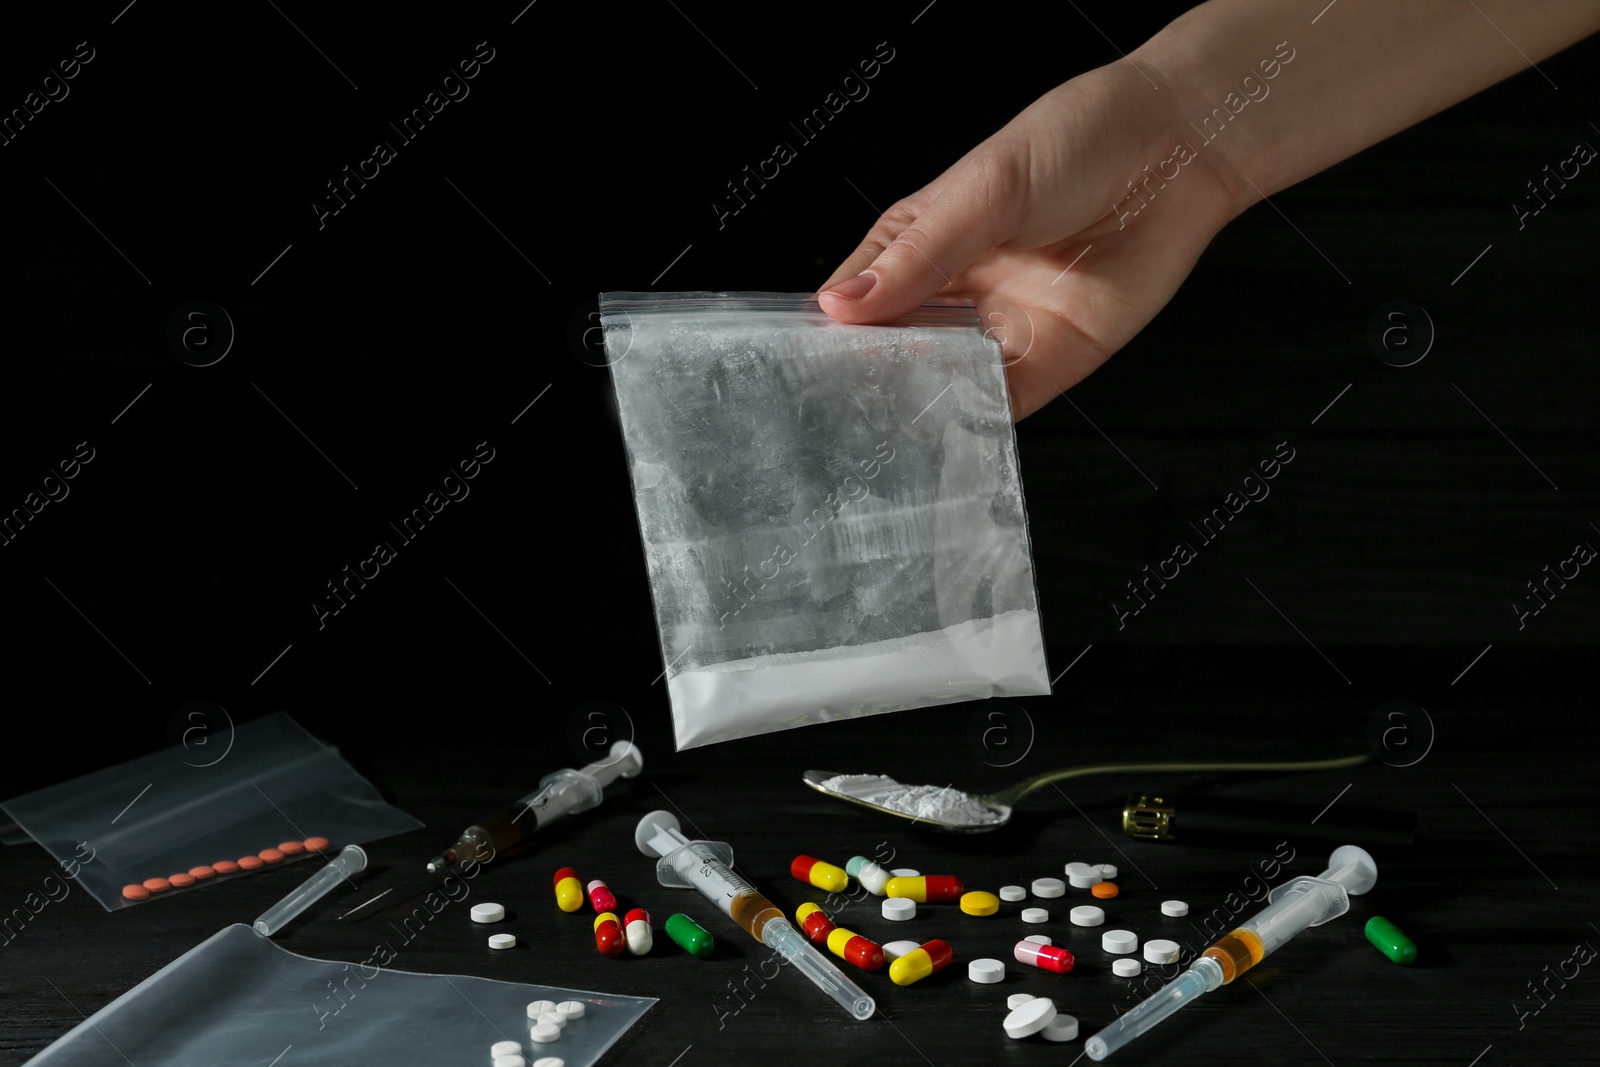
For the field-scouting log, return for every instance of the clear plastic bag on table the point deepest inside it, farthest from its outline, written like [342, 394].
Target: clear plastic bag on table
[832, 514]
[182, 809]
[239, 998]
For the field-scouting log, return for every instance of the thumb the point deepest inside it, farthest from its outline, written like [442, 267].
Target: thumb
[919, 253]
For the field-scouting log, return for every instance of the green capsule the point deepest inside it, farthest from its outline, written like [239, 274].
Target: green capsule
[690, 935]
[1390, 941]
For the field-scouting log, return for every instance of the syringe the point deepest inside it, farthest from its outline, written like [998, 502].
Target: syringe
[707, 866]
[1296, 905]
[563, 792]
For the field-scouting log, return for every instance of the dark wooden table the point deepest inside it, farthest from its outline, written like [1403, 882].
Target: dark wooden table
[444, 305]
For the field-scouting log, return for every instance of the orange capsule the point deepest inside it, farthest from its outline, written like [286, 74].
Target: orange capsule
[1104, 890]
[181, 880]
[156, 885]
[270, 855]
[316, 844]
[225, 867]
[202, 871]
[608, 934]
[290, 848]
[250, 863]
[136, 892]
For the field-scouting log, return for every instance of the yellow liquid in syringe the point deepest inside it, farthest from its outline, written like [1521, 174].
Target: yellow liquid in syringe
[1236, 953]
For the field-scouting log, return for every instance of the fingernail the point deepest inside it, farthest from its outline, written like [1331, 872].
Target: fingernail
[855, 288]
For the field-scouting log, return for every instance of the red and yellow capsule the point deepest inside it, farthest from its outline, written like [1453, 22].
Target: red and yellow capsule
[825, 876]
[608, 934]
[1045, 957]
[916, 965]
[927, 889]
[600, 897]
[569, 891]
[814, 922]
[851, 946]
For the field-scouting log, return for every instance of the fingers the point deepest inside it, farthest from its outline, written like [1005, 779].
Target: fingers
[917, 248]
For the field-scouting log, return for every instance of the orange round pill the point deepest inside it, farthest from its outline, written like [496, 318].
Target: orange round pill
[250, 863]
[316, 844]
[180, 879]
[289, 848]
[1104, 890]
[156, 885]
[224, 866]
[202, 871]
[271, 855]
[136, 892]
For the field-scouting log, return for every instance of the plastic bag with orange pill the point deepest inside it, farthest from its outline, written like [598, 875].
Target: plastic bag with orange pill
[259, 794]
[239, 998]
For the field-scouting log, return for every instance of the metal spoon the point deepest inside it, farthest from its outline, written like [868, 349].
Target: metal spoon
[997, 807]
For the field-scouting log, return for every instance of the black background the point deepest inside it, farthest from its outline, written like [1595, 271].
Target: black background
[443, 300]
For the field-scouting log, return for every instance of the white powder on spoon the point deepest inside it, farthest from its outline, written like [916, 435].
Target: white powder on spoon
[936, 803]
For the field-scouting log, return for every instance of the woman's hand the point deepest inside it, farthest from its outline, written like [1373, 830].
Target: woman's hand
[1040, 226]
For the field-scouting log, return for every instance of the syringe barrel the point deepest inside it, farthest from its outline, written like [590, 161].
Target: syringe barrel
[779, 935]
[1296, 906]
[1203, 976]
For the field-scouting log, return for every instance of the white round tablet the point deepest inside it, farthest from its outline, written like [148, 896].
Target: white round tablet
[1088, 915]
[1175, 908]
[544, 1033]
[1061, 1028]
[1127, 967]
[554, 1018]
[1078, 868]
[487, 913]
[502, 940]
[572, 1009]
[1017, 1000]
[905, 872]
[895, 949]
[1108, 871]
[513, 1060]
[1035, 915]
[537, 1008]
[1049, 887]
[1161, 951]
[899, 909]
[549, 1061]
[1013, 893]
[1084, 879]
[1039, 939]
[505, 1048]
[986, 972]
[1030, 1018]
[1119, 942]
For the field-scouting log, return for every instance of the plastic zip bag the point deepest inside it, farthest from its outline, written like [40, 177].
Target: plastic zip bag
[832, 514]
[239, 998]
[162, 814]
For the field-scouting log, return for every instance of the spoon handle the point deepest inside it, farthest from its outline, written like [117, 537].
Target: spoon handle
[1039, 781]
